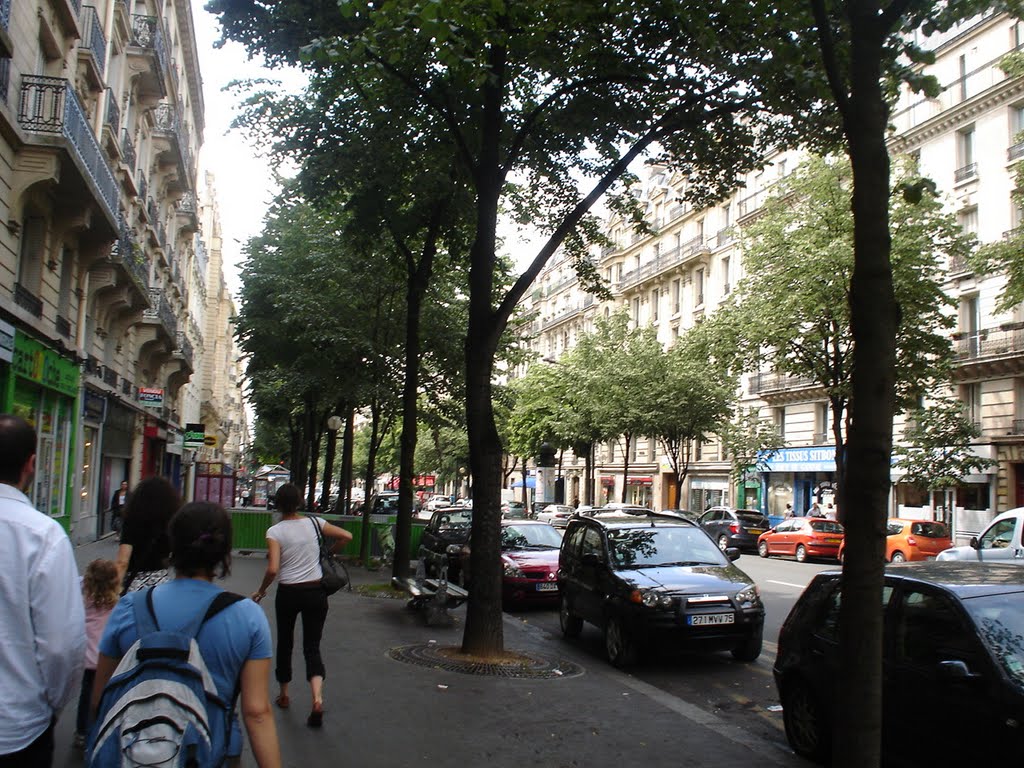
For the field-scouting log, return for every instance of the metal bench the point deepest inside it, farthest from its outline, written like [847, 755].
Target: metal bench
[433, 597]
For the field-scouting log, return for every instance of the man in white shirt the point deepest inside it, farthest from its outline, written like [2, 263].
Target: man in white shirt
[42, 619]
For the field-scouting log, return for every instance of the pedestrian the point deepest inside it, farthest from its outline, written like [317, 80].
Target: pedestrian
[235, 643]
[576, 502]
[42, 619]
[789, 510]
[101, 588]
[117, 502]
[815, 510]
[145, 548]
[293, 547]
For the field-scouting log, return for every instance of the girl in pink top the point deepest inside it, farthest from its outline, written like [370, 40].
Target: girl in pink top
[101, 589]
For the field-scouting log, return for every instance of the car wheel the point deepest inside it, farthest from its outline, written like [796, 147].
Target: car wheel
[762, 548]
[801, 554]
[723, 542]
[898, 557]
[571, 625]
[750, 648]
[806, 724]
[619, 646]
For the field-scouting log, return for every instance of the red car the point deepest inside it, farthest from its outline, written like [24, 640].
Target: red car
[802, 537]
[529, 562]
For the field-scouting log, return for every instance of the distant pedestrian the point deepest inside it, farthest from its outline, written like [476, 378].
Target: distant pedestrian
[815, 510]
[145, 548]
[789, 510]
[117, 502]
[576, 502]
[101, 588]
[235, 642]
[42, 620]
[293, 547]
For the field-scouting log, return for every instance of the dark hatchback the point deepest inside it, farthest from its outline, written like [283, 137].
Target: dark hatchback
[442, 542]
[734, 527]
[656, 577]
[953, 665]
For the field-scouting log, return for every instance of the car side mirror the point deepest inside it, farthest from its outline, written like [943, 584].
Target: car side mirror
[954, 670]
[974, 542]
[733, 553]
[592, 559]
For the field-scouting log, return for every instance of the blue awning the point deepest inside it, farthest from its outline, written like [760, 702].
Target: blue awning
[531, 482]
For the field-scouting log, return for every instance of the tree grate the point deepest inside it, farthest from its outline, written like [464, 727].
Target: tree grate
[531, 666]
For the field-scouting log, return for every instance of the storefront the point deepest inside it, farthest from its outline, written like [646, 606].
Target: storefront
[708, 491]
[90, 506]
[639, 490]
[799, 476]
[116, 453]
[42, 388]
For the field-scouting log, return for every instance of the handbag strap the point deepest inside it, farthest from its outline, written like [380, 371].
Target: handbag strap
[319, 533]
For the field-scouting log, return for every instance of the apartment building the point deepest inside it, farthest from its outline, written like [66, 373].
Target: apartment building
[101, 121]
[967, 140]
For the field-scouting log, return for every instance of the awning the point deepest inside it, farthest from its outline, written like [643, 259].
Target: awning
[639, 480]
[607, 481]
[531, 482]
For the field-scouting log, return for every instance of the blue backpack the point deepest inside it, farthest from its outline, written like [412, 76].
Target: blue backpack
[161, 706]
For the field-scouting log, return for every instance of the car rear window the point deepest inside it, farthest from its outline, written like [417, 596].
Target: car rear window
[826, 526]
[459, 519]
[752, 518]
[930, 530]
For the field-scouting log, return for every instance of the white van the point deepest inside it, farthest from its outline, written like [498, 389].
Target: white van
[1000, 542]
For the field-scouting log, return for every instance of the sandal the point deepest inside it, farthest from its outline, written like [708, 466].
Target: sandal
[316, 717]
[283, 701]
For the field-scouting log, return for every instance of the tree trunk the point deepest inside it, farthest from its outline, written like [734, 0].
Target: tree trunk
[328, 479]
[315, 433]
[840, 444]
[345, 495]
[371, 476]
[628, 437]
[588, 476]
[873, 321]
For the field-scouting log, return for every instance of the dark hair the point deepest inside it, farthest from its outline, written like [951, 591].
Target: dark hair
[17, 445]
[147, 512]
[201, 540]
[287, 498]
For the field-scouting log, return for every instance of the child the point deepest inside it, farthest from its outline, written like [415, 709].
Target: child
[101, 589]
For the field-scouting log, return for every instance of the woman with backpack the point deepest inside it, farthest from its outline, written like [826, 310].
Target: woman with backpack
[293, 557]
[233, 639]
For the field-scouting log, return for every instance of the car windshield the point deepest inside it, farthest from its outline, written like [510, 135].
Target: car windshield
[457, 518]
[1000, 620]
[670, 545]
[530, 537]
[826, 526]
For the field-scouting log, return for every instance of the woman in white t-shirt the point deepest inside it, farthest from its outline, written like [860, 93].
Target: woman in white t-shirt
[294, 559]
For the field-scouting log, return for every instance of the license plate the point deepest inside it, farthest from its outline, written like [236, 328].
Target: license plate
[705, 619]
[548, 586]
[755, 530]
[833, 541]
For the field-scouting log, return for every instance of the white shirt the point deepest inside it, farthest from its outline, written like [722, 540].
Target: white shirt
[300, 550]
[42, 621]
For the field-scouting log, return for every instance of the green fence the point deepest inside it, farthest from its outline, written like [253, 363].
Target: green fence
[249, 527]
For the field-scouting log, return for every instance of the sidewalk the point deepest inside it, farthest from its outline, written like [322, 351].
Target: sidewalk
[382, 712]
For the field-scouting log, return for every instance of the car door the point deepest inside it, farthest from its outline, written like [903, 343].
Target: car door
[593, 574]
[711, 521]
[569, 565]
[1002, 540]
[927, 630]
[783, 538]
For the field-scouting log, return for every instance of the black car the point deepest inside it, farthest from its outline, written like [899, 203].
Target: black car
[442, 542]
[953, 665]
[656, 577]
[734, 527]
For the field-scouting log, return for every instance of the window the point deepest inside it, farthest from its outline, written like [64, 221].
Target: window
[700, 228]
[30, 260]
[930, 630]
[655, 295]
[726, 216]
[999, 536]
[963, 76]
[971, 394]
[698, 286]
[779, 417]
[1016, 121]
[968, 220]
[970, 324]
[636, 310]
[726, 282]
[677, 294]
[592, 543]
[966, 166]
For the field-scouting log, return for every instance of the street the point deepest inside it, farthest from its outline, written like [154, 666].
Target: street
[742, 694]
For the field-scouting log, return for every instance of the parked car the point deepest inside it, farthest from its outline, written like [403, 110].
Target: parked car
[437, 501]
[734, 527]
[953, 659]
[656, 578]
[385, 503]
[803, 538]
[514, 510]
[1000, 541]
[529, 562]
[442, 541]
[556, 514]
[911, 540]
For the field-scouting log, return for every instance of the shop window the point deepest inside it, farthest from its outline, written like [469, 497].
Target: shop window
[973, 496]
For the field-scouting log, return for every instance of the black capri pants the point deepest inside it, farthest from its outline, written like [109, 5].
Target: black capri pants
[309, 601]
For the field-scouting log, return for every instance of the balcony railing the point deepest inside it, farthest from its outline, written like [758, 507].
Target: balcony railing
[49, 105]
[161, 312]
[966, 172]
[5, 79]
[148, 34]
[63, 326]
[126, 386]
[143, 185]
[184, 348]
[1018, 427]
[1015, 152]
[763, 383]
[988, 342]
[125, 251]
[5, 14]
[113, 112]
[93, 38]
[109, 376]
[127, 149]
[26, 299]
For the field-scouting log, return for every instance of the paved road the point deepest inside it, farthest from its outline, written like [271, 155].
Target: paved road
[742, 694]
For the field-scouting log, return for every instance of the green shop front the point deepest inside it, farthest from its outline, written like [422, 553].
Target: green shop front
[41, 386]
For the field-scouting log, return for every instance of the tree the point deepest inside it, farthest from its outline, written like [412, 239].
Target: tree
[937, 455]
[749, 441]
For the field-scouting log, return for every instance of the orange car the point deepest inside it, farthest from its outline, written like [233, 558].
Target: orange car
[908, 540]
[802, 537]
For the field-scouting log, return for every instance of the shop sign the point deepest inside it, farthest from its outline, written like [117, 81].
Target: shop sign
[812, 459]
[195, 435]
[151, 397]
[210, 440]
[639, 480]
[42, 365]
[607, 481]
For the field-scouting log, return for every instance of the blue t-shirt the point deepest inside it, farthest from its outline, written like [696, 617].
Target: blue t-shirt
[237, 634]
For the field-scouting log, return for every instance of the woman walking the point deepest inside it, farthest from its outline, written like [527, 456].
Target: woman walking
[293, 547]
[145, 548]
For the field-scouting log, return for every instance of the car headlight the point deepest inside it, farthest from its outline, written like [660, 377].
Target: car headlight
[454, 549]
[511, 571]
[651, 598]
[748, 595]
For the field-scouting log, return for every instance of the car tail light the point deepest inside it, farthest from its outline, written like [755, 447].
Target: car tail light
[911, 541]
[734, 528]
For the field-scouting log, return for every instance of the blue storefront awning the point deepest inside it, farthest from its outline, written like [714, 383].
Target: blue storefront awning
[531, 482]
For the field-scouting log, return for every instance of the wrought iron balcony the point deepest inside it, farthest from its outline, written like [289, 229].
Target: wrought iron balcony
[988, 342]
[93, 39]
[1015, 152]
[49, 105]
[147, 33]
[63, 327]
[127, 253]
[113, 112]
[725, 236]
[109, 376]
[127, 149]
[160, 312]
[27, 299]
[966, 172]
[5, 14]
[764, 383]
[5, 79]
[184, 348]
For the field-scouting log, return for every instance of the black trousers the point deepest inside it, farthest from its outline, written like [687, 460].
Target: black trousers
[38, 754]
[310, 602]
[84, 701]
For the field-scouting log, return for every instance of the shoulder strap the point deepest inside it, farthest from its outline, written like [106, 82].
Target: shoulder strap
[146, 620]
[220, 602]
[319, 533]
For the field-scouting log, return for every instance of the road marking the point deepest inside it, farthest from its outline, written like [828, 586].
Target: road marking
[786, 584]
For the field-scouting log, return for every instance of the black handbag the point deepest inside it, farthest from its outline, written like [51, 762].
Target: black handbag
[335, 577]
